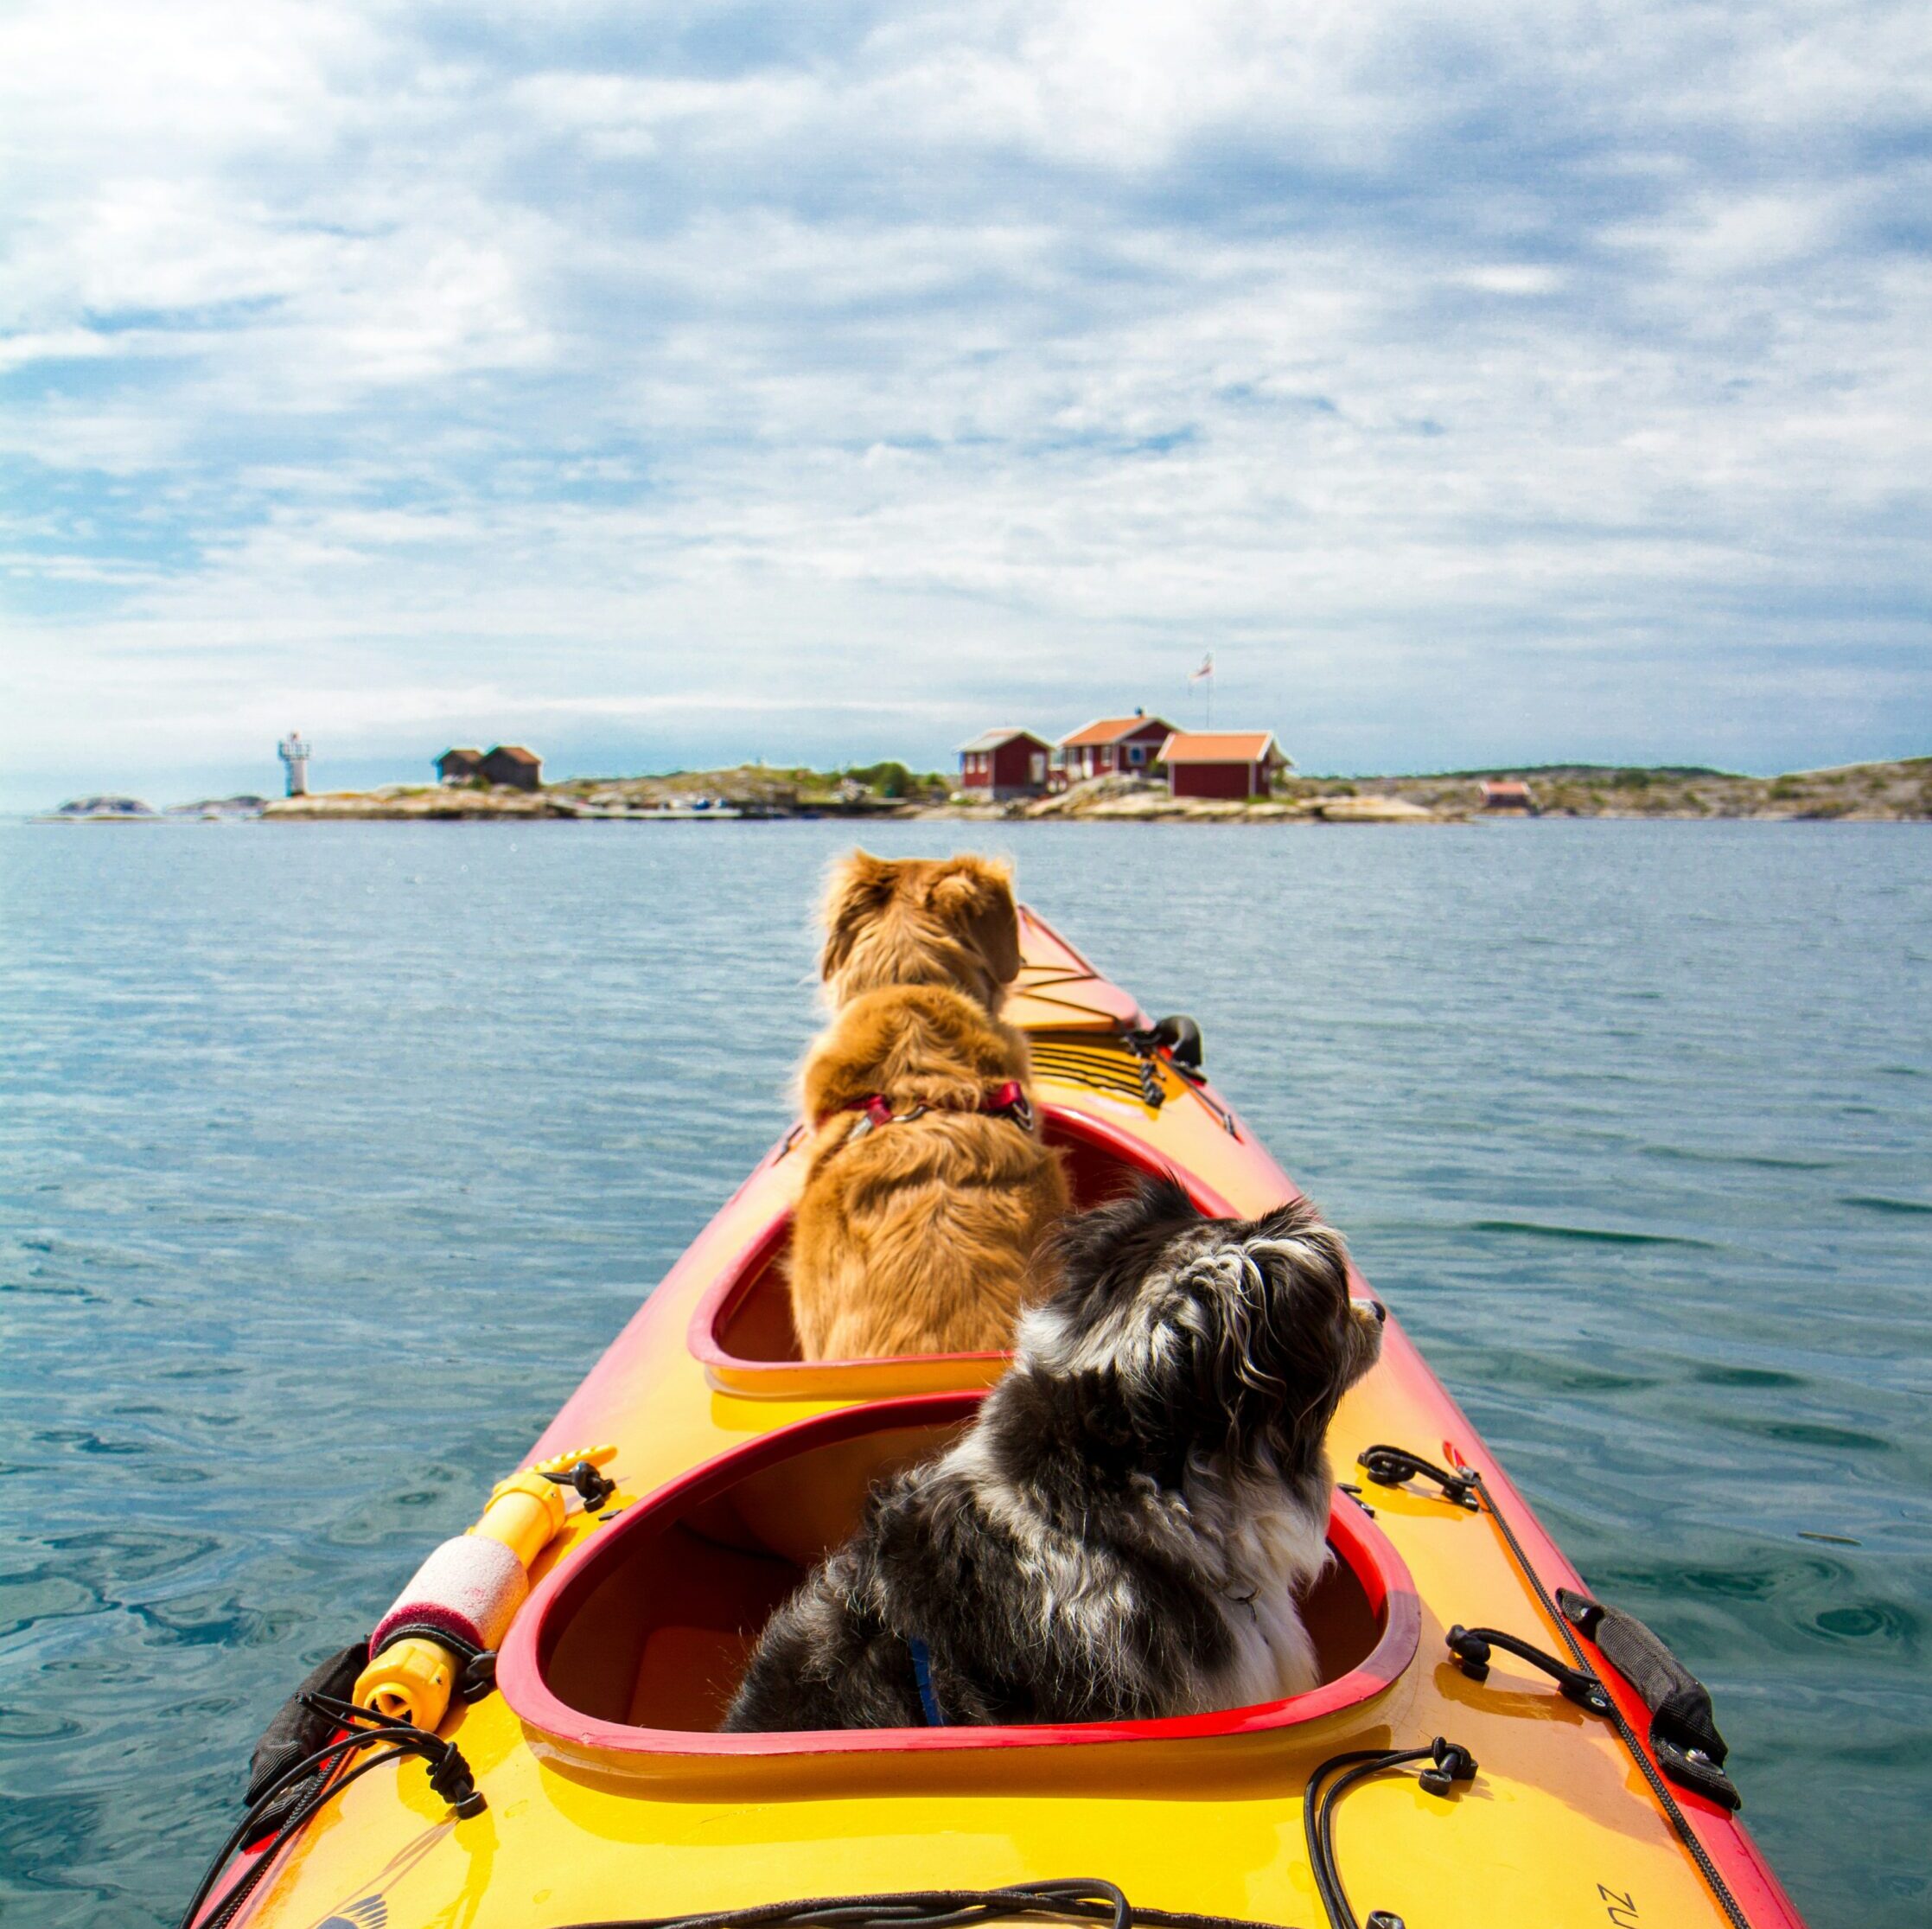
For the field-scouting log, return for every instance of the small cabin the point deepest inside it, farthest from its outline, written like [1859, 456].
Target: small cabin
[1003, 764]
[1113, 746]
[512, 764]
[1509, 794]
[459, 765]
[1231, 765]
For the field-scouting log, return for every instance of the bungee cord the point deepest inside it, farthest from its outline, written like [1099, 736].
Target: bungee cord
[363, 1728]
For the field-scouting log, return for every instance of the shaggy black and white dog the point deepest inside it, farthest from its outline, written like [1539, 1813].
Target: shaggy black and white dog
[1123, 1531]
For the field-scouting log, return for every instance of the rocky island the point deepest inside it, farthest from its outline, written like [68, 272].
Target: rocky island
[1859, 793]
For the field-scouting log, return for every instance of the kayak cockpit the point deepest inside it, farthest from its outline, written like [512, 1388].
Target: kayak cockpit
[741, 1331]
[629, 1656]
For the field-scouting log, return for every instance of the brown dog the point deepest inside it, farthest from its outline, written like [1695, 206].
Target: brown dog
[928, 1188]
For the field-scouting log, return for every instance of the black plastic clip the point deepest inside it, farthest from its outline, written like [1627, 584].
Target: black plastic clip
[1390, 1466]
[1182, 1038]
[450, 1777]
[478, 1678]
[1454, 1763]
[593, 1488]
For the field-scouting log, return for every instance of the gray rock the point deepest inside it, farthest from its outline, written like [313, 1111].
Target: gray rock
[215, 808]
[106, 806]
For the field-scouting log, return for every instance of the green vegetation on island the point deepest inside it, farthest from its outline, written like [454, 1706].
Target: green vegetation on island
[747, 791]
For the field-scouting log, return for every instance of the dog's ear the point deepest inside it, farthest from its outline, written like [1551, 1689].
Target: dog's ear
[859, 888]
[975, 896]
[1315, 1248]
[1292, 1353]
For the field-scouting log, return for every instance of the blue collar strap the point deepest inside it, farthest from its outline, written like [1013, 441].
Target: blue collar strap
[922, 1673]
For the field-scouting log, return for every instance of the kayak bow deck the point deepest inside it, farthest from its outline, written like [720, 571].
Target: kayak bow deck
[611, 1795]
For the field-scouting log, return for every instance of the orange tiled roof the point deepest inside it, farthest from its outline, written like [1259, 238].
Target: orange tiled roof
[1220, 746]
[1110, 730]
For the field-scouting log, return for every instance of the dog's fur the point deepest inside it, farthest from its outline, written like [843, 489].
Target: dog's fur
[1122, 1530]
[917, 1237]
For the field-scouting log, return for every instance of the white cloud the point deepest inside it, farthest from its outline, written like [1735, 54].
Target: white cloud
[1512, 278]
[52, 345]
[586, 365]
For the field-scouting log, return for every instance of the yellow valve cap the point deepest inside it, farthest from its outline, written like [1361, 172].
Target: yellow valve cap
[410, 1680]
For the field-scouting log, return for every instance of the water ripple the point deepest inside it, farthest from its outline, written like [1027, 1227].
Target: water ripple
[1600, 1235]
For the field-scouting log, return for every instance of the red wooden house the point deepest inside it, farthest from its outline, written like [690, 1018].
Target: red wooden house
[1113, 746]
[1225, 763]
[511, 764]
[1004, 763]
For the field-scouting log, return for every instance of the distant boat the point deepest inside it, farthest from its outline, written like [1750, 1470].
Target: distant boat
[681, 810]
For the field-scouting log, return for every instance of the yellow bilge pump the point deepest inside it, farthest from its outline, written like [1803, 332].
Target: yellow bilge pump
[459, 1604]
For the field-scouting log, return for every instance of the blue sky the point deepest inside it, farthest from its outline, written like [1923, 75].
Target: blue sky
[667, 385]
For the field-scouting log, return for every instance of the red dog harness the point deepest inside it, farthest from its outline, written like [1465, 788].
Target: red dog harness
[1001, 1101]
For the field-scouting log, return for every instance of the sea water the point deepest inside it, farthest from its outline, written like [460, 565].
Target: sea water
[331, 1156]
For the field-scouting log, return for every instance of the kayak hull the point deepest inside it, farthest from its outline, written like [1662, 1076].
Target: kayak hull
[610, 1794]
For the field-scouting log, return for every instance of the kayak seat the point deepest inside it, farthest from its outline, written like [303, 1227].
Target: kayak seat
[633, 1649]
[741, 1332]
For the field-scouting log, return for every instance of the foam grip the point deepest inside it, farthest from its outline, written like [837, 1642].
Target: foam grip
[468, 1587]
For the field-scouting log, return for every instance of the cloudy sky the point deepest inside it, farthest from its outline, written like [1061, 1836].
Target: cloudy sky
[664, 384]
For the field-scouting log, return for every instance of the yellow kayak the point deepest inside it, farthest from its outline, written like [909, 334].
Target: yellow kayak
[1489, 1747]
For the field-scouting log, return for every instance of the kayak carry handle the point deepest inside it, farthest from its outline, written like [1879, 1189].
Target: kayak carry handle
[1683, 1725]
[1471, 1647]
[1393, 1467]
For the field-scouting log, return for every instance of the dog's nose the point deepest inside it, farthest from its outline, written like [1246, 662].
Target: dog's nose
[1381, 1312]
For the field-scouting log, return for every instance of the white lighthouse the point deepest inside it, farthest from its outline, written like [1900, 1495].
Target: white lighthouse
[294, 752]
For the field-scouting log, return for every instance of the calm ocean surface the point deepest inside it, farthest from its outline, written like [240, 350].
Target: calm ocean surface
[331, 1156]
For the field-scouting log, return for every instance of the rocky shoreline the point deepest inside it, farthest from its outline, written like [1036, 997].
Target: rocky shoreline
[1857, 793]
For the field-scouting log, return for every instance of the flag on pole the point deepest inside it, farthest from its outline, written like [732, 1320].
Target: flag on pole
[1205, 676]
